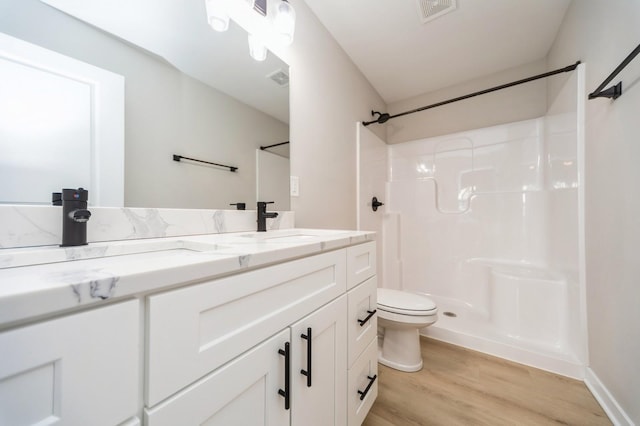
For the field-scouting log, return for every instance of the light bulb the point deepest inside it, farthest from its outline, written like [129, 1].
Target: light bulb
[285, 22]
[257, 49]
[217, 15]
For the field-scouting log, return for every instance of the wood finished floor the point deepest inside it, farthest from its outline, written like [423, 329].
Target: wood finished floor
[458, 386]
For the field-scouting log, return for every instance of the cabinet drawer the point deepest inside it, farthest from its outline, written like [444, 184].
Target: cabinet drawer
[362, 306]
[361, 263]
[81, 369]
[194, 330]
[361, 377]
[242, 392]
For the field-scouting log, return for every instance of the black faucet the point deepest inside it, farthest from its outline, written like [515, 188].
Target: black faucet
[263, 215]
[74, 217]
[56, 198]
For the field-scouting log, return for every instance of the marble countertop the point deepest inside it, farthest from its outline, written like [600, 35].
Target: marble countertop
[40, 281]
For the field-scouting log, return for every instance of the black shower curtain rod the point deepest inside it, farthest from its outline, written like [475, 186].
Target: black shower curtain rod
[615, 91]
[384, 117]
[274, 145]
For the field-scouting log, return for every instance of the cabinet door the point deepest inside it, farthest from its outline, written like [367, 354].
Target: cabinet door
[80, 369]
[240, 393]
[324, 402]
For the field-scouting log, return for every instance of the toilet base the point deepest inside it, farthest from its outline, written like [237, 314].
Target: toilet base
[400, 349]
[401, 367]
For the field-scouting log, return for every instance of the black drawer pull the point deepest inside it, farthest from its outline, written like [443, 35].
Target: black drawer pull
[307, 372]
[364, 321]
[287, 362]
[371, 380]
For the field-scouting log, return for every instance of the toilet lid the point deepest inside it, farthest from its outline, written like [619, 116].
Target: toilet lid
[403, 302]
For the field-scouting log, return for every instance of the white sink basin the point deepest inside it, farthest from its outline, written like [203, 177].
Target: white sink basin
[41, 255]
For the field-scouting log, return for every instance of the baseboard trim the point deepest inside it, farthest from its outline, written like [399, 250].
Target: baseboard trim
[609, 404]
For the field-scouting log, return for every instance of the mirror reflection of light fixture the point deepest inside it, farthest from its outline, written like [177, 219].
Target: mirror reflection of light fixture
[276, 28]
[217, 15]
[257, 49]
[285, 22]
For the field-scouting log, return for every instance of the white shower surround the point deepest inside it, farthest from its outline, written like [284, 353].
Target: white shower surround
[500, 244]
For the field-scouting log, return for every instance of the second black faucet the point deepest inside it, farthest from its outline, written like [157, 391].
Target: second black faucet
[263, 215]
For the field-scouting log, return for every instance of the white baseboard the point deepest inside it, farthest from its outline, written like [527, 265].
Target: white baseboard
[609, 404]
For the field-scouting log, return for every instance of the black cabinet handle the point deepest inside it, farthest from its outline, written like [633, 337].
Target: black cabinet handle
[371, 380]
[287, 361]
[307, 373]
[364, 321]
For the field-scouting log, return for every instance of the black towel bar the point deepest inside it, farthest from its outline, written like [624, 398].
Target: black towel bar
[180, 157]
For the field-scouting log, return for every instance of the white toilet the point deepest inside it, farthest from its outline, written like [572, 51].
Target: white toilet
[402, 314]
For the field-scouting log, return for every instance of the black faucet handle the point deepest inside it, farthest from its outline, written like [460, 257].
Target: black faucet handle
[262, 205]
[56, 198]
[239, 206]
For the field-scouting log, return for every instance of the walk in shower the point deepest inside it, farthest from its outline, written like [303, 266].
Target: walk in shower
[488, 223]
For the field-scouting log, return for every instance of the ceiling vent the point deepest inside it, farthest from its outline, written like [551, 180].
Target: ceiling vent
[432, 9]
[280, 77]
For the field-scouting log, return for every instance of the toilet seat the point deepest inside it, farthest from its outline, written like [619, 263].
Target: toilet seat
[403, 303]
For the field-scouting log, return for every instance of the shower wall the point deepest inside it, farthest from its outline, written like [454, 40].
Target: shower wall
[487, 223]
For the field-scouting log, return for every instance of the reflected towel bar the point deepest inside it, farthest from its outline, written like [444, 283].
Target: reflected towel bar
[614, 91]
[180, 157]
[384, 117]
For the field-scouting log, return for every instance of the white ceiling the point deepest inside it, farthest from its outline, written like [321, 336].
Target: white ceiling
[402, 57]
[177, 30]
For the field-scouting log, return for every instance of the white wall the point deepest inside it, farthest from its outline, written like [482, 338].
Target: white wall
[601, 34]
[272, 180]
[166, 112]
[505, 106]
[328, 96]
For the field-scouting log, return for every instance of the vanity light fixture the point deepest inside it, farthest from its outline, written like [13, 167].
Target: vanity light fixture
[257, 49]
[285, 22]
[274, 27]
[217, 15]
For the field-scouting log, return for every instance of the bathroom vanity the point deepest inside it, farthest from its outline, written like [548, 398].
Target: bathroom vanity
[270, 328]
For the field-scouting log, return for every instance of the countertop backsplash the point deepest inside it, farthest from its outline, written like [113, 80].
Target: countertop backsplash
[28, 226]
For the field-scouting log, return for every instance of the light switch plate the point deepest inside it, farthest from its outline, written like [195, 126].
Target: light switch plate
[294, 186]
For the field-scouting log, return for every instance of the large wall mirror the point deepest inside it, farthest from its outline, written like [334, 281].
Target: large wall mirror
[189, 91]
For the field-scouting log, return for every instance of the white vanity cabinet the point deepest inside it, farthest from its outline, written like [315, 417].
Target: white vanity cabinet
[80, 369]
[362, 387]
[193, 331]
[235, 351]
[288, 343]
[266, 386]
